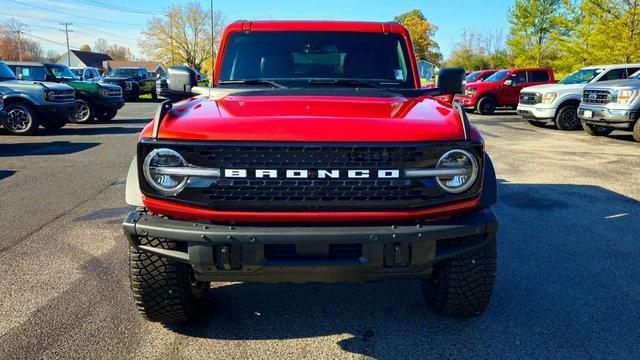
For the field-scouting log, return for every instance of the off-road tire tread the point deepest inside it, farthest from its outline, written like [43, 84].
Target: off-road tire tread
[461, 286]
[636, 131]
[558, 119]
[479, 106]
[161, 287]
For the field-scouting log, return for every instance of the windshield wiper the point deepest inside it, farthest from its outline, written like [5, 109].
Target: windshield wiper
[349, 82]
[252, 82]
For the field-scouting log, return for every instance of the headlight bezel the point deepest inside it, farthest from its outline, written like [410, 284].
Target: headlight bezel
[549, 97]
[146, 168]
[49, 95]
[473, 176]
[470, 91]
[629, 98]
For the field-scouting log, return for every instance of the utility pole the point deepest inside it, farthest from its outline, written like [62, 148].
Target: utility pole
[66, 32]
[19, 32]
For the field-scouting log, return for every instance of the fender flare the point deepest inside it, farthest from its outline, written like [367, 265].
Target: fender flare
[490, 184]
[133, 195]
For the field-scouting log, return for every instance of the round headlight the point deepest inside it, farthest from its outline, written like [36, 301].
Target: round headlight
[457, 159]
[50, 95]
[104, 92]
[163, 181]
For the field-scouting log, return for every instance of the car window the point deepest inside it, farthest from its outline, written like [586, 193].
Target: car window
[95, 73]
[519, 77]
[538, 76]
[31, 73]
[631, 71]
[614, 74]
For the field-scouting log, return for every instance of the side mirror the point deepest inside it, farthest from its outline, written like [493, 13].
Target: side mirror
[180, 80]
[20, 77]
[509, 82]
[450, 81]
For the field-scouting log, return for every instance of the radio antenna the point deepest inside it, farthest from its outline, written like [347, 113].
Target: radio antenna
[211, 84]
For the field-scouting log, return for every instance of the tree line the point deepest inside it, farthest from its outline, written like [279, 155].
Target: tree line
[563, 34]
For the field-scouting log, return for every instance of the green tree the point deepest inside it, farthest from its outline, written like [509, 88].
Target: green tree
[422, 32]
[536, 27]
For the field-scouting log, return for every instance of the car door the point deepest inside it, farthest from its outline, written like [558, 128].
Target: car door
[510, 90]
[614, 74]
[537, 77]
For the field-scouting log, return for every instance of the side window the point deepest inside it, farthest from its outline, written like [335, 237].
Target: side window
[615, 74]
[88, 74]
[538, 76]
[519, 77]
[94, 72]
[142, 73]
[631, 71]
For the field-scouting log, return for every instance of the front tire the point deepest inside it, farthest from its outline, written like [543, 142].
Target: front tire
[107, 115]
[487, 106]
[154, 95]
[21, 119]
[165, 290]
[84, 112]
[595, 130]
[461, 286]
[567, 118]
[636, 131]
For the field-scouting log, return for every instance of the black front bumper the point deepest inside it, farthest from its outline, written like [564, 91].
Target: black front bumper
[56, 111]
[315, 253]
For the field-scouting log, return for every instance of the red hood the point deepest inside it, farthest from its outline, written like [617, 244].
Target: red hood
[311, 118]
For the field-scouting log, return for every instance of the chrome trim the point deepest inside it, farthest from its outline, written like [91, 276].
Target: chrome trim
[422, 173]
[187, 171]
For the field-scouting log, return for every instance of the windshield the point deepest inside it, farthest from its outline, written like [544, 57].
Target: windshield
[305, 56]
[497, 76]
[582, 76]
[6, 73]
[472, 76]
[62, 72]
[123, 72]
[635, 75]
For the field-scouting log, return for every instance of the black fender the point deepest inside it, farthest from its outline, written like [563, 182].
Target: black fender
[489, 185]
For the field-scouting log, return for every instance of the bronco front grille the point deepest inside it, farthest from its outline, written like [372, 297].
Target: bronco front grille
[64, 95]
[343, 194]
[597, 97]
[530, 98]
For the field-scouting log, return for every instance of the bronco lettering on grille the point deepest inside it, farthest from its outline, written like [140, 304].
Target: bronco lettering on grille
[306, 174]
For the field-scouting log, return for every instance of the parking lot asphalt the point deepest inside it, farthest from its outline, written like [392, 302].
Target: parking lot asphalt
[568, 283]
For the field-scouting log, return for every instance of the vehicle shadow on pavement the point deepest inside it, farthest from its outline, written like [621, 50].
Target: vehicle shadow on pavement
[94, 130]
[45, 148]
[568, 285]
[6, 173]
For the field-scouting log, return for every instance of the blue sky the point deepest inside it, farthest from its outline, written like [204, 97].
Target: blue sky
[42, 16]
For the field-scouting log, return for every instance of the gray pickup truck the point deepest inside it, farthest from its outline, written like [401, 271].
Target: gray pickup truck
[29, 104]
[611, 105]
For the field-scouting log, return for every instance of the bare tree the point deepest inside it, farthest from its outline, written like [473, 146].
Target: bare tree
[101, 45]
[52, 56]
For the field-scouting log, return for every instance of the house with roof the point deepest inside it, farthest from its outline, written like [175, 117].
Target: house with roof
[153, 67]
[83, 59]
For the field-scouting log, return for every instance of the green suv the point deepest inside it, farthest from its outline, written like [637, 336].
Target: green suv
[93, 100]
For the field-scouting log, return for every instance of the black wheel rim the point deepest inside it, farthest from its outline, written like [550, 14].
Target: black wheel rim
[18, 120]
[570, 119]
[487, 107]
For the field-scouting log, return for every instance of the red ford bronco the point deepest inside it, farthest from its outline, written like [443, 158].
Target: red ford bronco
[315, 157]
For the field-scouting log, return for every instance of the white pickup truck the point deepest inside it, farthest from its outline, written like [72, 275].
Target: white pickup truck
[558, 103]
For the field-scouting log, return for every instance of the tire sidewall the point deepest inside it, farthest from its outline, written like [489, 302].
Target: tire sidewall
[34, 121]
[90, 115]
[486, 106]
[636, 131]
[561, 120]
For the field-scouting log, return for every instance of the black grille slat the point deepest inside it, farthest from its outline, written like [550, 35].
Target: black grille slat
[312, 193]
[597, 97]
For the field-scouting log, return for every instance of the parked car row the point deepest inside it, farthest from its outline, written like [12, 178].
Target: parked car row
[598, 99]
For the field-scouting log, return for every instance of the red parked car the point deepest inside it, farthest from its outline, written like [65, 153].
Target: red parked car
[502, 89]
[480, 75]
[315, 157]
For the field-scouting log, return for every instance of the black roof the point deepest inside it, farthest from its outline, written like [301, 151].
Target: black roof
[91, 59]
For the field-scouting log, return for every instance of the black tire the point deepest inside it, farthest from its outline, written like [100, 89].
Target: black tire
[107, 115]
[55, 124]
[636, 131]
[461, 286]
[84, 112]
[165, 290]
[537, 123]
[21, 119]
[567, 118]
[154, 95]
[486, 106]
[135, 95]
[595, 130]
